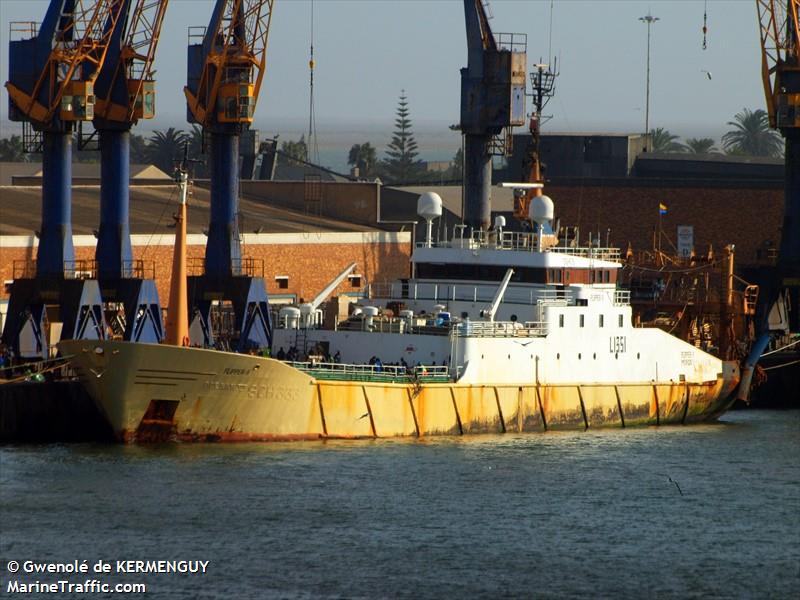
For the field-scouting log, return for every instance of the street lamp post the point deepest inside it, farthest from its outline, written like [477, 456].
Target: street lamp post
[649, 19]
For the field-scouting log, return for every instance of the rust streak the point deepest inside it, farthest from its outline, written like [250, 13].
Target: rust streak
[519, 409]
[321, 410]
[455, 408]
[583, 408]
[541, 408]
[369, 410]
[658, 410]
[619, 406]
[499, 410]
[413, 413]
[685, 406]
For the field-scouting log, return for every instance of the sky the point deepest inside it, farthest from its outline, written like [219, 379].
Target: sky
[367, 51]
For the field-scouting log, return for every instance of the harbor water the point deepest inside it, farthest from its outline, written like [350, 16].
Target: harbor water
[709, 511]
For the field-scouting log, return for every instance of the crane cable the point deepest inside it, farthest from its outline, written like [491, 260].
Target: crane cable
[705, 23]
[313, 149]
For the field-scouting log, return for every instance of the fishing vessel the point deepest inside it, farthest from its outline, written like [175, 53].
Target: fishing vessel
[493, 331]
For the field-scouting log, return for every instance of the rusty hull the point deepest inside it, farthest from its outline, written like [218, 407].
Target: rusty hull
[158, 393]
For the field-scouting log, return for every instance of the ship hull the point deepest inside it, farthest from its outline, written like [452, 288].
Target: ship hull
[161, 393]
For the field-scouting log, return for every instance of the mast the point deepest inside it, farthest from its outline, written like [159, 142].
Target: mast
[177, 329]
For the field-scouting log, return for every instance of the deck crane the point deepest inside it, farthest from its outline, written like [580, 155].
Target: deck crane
[125, 92]
[779, 26]
[52, 71]
[492, 100]
[226, 66]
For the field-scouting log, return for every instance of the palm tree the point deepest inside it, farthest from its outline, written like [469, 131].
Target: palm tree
[166, 147]
[700, 146]
[294, 153]
[661, 140]
[364, 157]
[197, 146]
[138, 146]
[457, 169]
[12, 150]
[752, 135]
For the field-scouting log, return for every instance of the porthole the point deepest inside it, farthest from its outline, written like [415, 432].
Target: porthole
[513, 318]
[579, 355]
[616, 355]
[465, 315]
[594, 356]
[637, 356]
[558, 356]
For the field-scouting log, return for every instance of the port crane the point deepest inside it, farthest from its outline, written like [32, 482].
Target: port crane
[492, 100]
[52, 71]
[779, 26]
[226, 66]
[124, 94]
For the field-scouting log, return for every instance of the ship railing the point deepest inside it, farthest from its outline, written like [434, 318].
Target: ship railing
[394, 325]
[551, 295]
[610, 254]
[374, 372]
[500, 329]
[453, 292]
[520, 241]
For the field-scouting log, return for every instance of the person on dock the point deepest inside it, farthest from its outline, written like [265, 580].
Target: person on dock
[281, 355]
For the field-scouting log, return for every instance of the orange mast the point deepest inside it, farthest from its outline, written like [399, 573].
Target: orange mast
[177, 328]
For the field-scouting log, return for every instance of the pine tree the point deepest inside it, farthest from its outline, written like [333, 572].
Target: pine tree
[401, 164]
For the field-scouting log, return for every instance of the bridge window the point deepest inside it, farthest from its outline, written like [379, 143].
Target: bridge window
[282, 281]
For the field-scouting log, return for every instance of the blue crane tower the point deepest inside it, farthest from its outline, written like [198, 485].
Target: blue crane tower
[779, 28]
[52, 71]
[226, 64]
[492, 101]
[125, 92]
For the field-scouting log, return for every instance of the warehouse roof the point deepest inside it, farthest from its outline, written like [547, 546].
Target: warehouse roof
[151, 210]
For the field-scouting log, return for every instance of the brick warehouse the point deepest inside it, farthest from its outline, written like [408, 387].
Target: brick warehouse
[300, 252]
[294, 265]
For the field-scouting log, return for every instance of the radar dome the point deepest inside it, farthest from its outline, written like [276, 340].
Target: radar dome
[499, 221]
[429, 205]
[541, 210]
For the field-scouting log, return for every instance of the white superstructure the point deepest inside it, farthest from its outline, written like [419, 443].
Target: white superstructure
[560, 320]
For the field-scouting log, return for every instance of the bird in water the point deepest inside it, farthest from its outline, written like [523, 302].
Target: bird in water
[676, 484]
